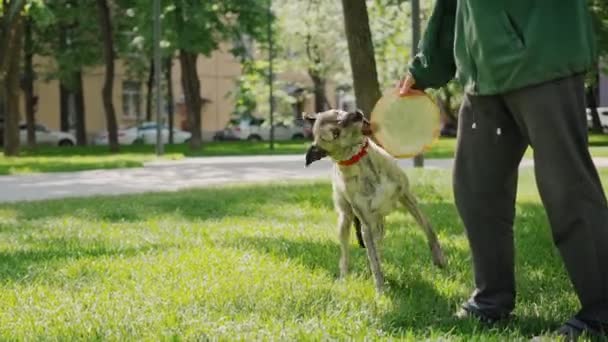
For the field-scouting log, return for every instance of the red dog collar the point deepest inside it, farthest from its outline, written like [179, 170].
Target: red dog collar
[354, 159]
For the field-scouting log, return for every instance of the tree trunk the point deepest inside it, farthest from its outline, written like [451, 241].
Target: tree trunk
[81, 127]
[361, 52]
[591, 95]
[8, 20]
[64, 107]
[150, 93]
[28, 85]
[317, 78]
[169, 81]
[591, 100]
[10, 85]
[192, 94]
[64, 92]
[108, 55]
[318, 82]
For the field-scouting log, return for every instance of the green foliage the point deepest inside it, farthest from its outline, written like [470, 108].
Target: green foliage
[310, 38]
[252, 93]
[599, 13]
[307, 39]
[391, 33]
[66, 30]
[245, 96]
[9, 9]
[193, 25]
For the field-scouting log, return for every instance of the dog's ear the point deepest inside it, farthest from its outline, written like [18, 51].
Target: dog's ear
[310, 117]
[367, 126]
[314, 153]
[360, 112]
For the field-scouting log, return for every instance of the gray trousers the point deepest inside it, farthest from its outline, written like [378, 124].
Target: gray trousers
[493, 134]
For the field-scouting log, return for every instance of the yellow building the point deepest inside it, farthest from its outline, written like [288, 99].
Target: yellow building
[217, 73]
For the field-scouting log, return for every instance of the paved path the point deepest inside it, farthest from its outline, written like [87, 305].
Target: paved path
[176, 175]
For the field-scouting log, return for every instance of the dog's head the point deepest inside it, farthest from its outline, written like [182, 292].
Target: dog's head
[335, 133]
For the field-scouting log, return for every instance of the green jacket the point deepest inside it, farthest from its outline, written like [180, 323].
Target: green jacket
[493, 46]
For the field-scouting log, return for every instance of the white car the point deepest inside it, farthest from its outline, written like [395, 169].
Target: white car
[144, 133]
[255, 129]
[602, 113]
[45, 136]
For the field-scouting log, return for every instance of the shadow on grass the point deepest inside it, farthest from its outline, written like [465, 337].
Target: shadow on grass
[204, 204]
[418, 306]
[256, 201]
[20, 265]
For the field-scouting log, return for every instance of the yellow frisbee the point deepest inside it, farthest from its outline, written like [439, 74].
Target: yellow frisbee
[405, 126]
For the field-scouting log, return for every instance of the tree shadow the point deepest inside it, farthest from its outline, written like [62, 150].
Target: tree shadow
[539, 271]
[418, 306]
[22, 265]
[198, 204]
[414, 297]
[205, 203]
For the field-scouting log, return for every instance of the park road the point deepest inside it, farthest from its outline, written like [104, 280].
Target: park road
[181, 174]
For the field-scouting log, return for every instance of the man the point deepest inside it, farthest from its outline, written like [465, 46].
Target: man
[521, 63]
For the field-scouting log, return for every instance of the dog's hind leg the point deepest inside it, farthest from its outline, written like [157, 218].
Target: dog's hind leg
[358, 232]
[410, 203]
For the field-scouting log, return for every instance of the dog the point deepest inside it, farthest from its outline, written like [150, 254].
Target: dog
[367, 185]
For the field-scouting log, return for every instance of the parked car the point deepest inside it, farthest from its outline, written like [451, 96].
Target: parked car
[256, 129]
[228, 133]
[144, 133]
[45, 136]
[603, 114]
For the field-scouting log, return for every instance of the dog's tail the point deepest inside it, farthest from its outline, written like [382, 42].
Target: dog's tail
[357, 223]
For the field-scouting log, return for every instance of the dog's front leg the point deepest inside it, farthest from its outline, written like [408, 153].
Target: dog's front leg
[344, 221]
[369, 227]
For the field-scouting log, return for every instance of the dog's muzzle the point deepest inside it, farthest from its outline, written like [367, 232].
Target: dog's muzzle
[314, 153]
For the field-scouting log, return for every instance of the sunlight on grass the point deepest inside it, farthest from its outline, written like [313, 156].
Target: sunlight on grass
[254, 263]
[29, 164]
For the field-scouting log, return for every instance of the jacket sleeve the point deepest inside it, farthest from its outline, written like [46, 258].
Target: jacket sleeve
[434, 64]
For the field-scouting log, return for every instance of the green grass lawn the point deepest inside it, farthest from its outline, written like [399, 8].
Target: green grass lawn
[254, 263]
[36, 164]
[60, 159]
[445, 147]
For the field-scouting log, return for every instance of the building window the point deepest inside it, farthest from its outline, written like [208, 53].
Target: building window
[131, 99]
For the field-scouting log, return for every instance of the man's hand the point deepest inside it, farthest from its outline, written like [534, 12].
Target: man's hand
[406, 84]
